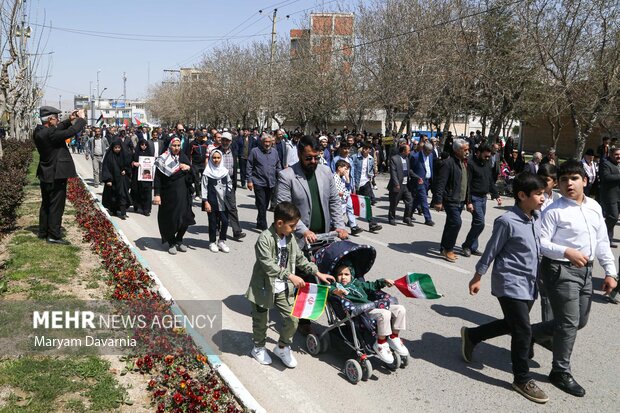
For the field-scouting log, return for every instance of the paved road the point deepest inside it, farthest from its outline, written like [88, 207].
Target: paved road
[436, 379]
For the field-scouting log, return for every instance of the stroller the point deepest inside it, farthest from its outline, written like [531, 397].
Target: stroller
[347, 321]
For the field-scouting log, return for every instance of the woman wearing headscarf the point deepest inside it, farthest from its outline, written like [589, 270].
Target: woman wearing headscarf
[173, 181]
[141, 191]
[216, 184]
[116, 174]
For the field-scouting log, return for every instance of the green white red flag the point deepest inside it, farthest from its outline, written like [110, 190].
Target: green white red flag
[361, 206]
[137, 120]
[417, 286]
[310, 301]
[100, 120]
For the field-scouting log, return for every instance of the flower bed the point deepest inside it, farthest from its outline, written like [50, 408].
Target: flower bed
[181, 378]
[13, 178]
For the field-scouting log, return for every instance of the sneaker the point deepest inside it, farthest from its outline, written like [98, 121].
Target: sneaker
[213, 247]
[375, 188]
[383, 352]
[531, 391]
[222, 246]
[467, 347]
[261, 355]
[397, 345]
[356, 230]
[286, 356]
[181, 247]
[197, 198]
[172, 250]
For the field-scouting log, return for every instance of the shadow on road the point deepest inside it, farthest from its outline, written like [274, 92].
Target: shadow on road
[445, 352]
[427, 248]
[463, 313]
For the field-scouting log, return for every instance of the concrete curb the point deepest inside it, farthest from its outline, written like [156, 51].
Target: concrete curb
[238, 389]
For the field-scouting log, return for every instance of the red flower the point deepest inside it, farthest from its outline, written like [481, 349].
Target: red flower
[178, 398]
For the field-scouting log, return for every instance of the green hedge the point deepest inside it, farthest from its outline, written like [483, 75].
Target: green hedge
[13, 178]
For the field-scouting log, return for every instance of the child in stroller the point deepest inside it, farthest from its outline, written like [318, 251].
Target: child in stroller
[389, 322]
[348, 315]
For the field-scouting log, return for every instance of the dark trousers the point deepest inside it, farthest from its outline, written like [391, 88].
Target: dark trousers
[477, 223]
[570, 293]
[53, 196]
[197, 171]
[218, 219]
[395, 198]
[233, 215]
[366, 190]
[178, 238]
[453, 225]
[243, 167]
[517, 323]
[421, 199]
[611, 210]
[262, 195]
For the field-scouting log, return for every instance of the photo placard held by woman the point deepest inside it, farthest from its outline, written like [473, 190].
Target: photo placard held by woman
[173, 182]
[142, 178]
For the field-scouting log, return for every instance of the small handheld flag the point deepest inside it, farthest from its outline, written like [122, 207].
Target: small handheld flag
[417, 286]
[310, 301]
[361, 206]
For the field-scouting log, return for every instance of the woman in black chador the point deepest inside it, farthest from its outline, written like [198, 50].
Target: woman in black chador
[116, 174]
[141, 191]
[173, 183]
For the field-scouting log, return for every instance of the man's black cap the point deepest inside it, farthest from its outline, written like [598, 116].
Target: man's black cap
[48, 110]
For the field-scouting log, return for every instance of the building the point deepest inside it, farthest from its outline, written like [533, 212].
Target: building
[115, 111]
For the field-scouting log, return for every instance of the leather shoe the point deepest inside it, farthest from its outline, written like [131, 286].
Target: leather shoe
[408, 223]
[466, 252]
[239, 235]
[613, 245]
[392, 222]
[476, 253]
[429, 223]
[58, 241]
[449, 256]
[565, 382]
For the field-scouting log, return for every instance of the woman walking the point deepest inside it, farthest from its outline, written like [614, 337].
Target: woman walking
[116, 174]
[141, 191]
[216, 184]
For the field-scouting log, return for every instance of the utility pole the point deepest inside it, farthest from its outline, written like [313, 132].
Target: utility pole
[124, 86]
[59, 102]
[273, 51]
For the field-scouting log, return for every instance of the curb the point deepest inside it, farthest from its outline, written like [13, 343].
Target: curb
[232, 381]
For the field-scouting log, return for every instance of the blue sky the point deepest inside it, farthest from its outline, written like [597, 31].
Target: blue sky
[139, 37]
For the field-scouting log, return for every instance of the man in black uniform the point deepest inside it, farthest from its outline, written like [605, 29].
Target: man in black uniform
[55, 166]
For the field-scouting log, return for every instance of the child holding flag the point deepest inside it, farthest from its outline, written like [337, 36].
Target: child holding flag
[389, 322]
[514, 249]
[342, 182]
[273, 281]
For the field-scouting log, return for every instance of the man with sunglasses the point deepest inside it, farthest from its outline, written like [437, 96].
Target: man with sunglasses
[55, 167]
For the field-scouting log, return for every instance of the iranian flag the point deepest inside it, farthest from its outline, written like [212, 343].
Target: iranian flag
[361, 206]
[310, 301]
[417, 286]
[137, 120]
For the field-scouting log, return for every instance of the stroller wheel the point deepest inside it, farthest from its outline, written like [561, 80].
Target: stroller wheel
[396, 364]
[353, 371]
[404, 361]
[313, 345]
[366, 369]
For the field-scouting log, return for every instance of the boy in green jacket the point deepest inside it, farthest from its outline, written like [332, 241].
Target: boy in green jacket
[389, 322]
[274, 279]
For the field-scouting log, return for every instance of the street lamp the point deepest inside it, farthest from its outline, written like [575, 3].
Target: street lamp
[98, 102]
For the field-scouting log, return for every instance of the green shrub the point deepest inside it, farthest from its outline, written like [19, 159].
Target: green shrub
[13, 178]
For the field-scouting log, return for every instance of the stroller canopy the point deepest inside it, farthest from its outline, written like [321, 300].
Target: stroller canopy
[362, 257]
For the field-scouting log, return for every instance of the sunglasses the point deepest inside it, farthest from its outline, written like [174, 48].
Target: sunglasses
[312, 158]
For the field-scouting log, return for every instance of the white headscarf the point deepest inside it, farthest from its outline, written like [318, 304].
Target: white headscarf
[215, 172]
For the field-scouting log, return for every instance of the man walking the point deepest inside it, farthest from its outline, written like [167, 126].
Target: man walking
[55, 167]
[480, 178]
[452, 192]
[422, 165]
[263, 168]
[229, 161]
[96, 147]
[198, 157]
[610, 191]
[362, 179]
[398, 188]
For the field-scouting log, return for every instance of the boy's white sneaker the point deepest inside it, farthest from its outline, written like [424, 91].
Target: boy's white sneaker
[397, 345]
[383, 352]
[213, 247]
[223, 247]
[286, 355]
[261, 355]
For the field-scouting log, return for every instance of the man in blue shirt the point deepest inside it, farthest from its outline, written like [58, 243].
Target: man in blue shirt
[262, 171]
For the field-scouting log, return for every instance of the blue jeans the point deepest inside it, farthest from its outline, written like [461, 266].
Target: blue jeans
[420, 199]
[477, 223]
[453, 225]
[347, 209]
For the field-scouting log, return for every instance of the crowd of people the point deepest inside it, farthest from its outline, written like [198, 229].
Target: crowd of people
[546, 243]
